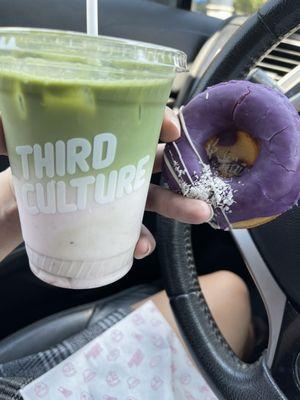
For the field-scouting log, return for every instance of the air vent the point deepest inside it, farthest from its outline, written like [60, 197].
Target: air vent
[283, 58]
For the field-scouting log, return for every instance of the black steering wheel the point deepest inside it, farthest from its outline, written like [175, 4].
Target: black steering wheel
[272, 253]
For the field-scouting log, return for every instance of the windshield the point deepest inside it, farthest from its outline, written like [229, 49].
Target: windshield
[226, 8]
[219, 8]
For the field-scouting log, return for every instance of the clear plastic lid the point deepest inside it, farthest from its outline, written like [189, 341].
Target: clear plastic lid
[54, 54]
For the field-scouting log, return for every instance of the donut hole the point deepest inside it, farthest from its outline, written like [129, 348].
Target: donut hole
[229, 155]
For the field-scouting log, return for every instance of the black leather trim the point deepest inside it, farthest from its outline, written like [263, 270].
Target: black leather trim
[278, 243]
[231, 378]
[52, 330]
[258, 34]
[44, 334]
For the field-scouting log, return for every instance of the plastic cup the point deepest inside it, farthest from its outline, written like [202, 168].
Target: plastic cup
[82, 116]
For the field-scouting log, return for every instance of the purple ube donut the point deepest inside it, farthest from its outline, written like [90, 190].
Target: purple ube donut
[272, 185]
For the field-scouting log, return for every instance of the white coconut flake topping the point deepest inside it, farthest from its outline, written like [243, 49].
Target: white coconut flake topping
[206, 187]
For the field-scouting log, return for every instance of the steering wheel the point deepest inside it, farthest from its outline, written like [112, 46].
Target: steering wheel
[272, 253]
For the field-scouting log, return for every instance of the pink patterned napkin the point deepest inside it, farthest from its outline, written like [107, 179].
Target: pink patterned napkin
[139, 358]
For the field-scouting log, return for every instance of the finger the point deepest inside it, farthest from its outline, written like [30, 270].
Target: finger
[2, 141]
[170, 129]
[145, 245]
[172, 205]
[158, 162]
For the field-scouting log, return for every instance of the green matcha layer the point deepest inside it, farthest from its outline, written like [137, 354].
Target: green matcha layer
[59, 86]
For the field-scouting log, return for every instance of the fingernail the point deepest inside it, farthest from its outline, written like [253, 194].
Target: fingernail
[175, 122]
[149, 250]
[211, 213]
[145, 254]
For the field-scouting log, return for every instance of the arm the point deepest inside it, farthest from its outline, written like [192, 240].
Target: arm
[10, 230]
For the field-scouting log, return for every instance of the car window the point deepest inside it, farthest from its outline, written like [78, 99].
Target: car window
[226, 8]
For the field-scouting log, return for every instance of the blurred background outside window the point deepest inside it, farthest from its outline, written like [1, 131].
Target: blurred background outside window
[220, 8]
[226, 8]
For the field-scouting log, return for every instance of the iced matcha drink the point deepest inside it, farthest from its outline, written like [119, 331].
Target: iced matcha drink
[82, 117]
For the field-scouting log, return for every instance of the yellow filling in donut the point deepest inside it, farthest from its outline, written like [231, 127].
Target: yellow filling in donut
[231, 160]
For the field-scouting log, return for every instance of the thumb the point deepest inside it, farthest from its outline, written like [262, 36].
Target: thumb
[145, 245]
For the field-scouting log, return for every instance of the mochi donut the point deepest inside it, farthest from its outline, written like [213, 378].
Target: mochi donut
[239, 151]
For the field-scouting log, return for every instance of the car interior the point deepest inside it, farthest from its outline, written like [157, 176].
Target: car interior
[263, 48]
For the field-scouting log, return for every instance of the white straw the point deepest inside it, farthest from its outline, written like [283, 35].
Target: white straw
[92, 17]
